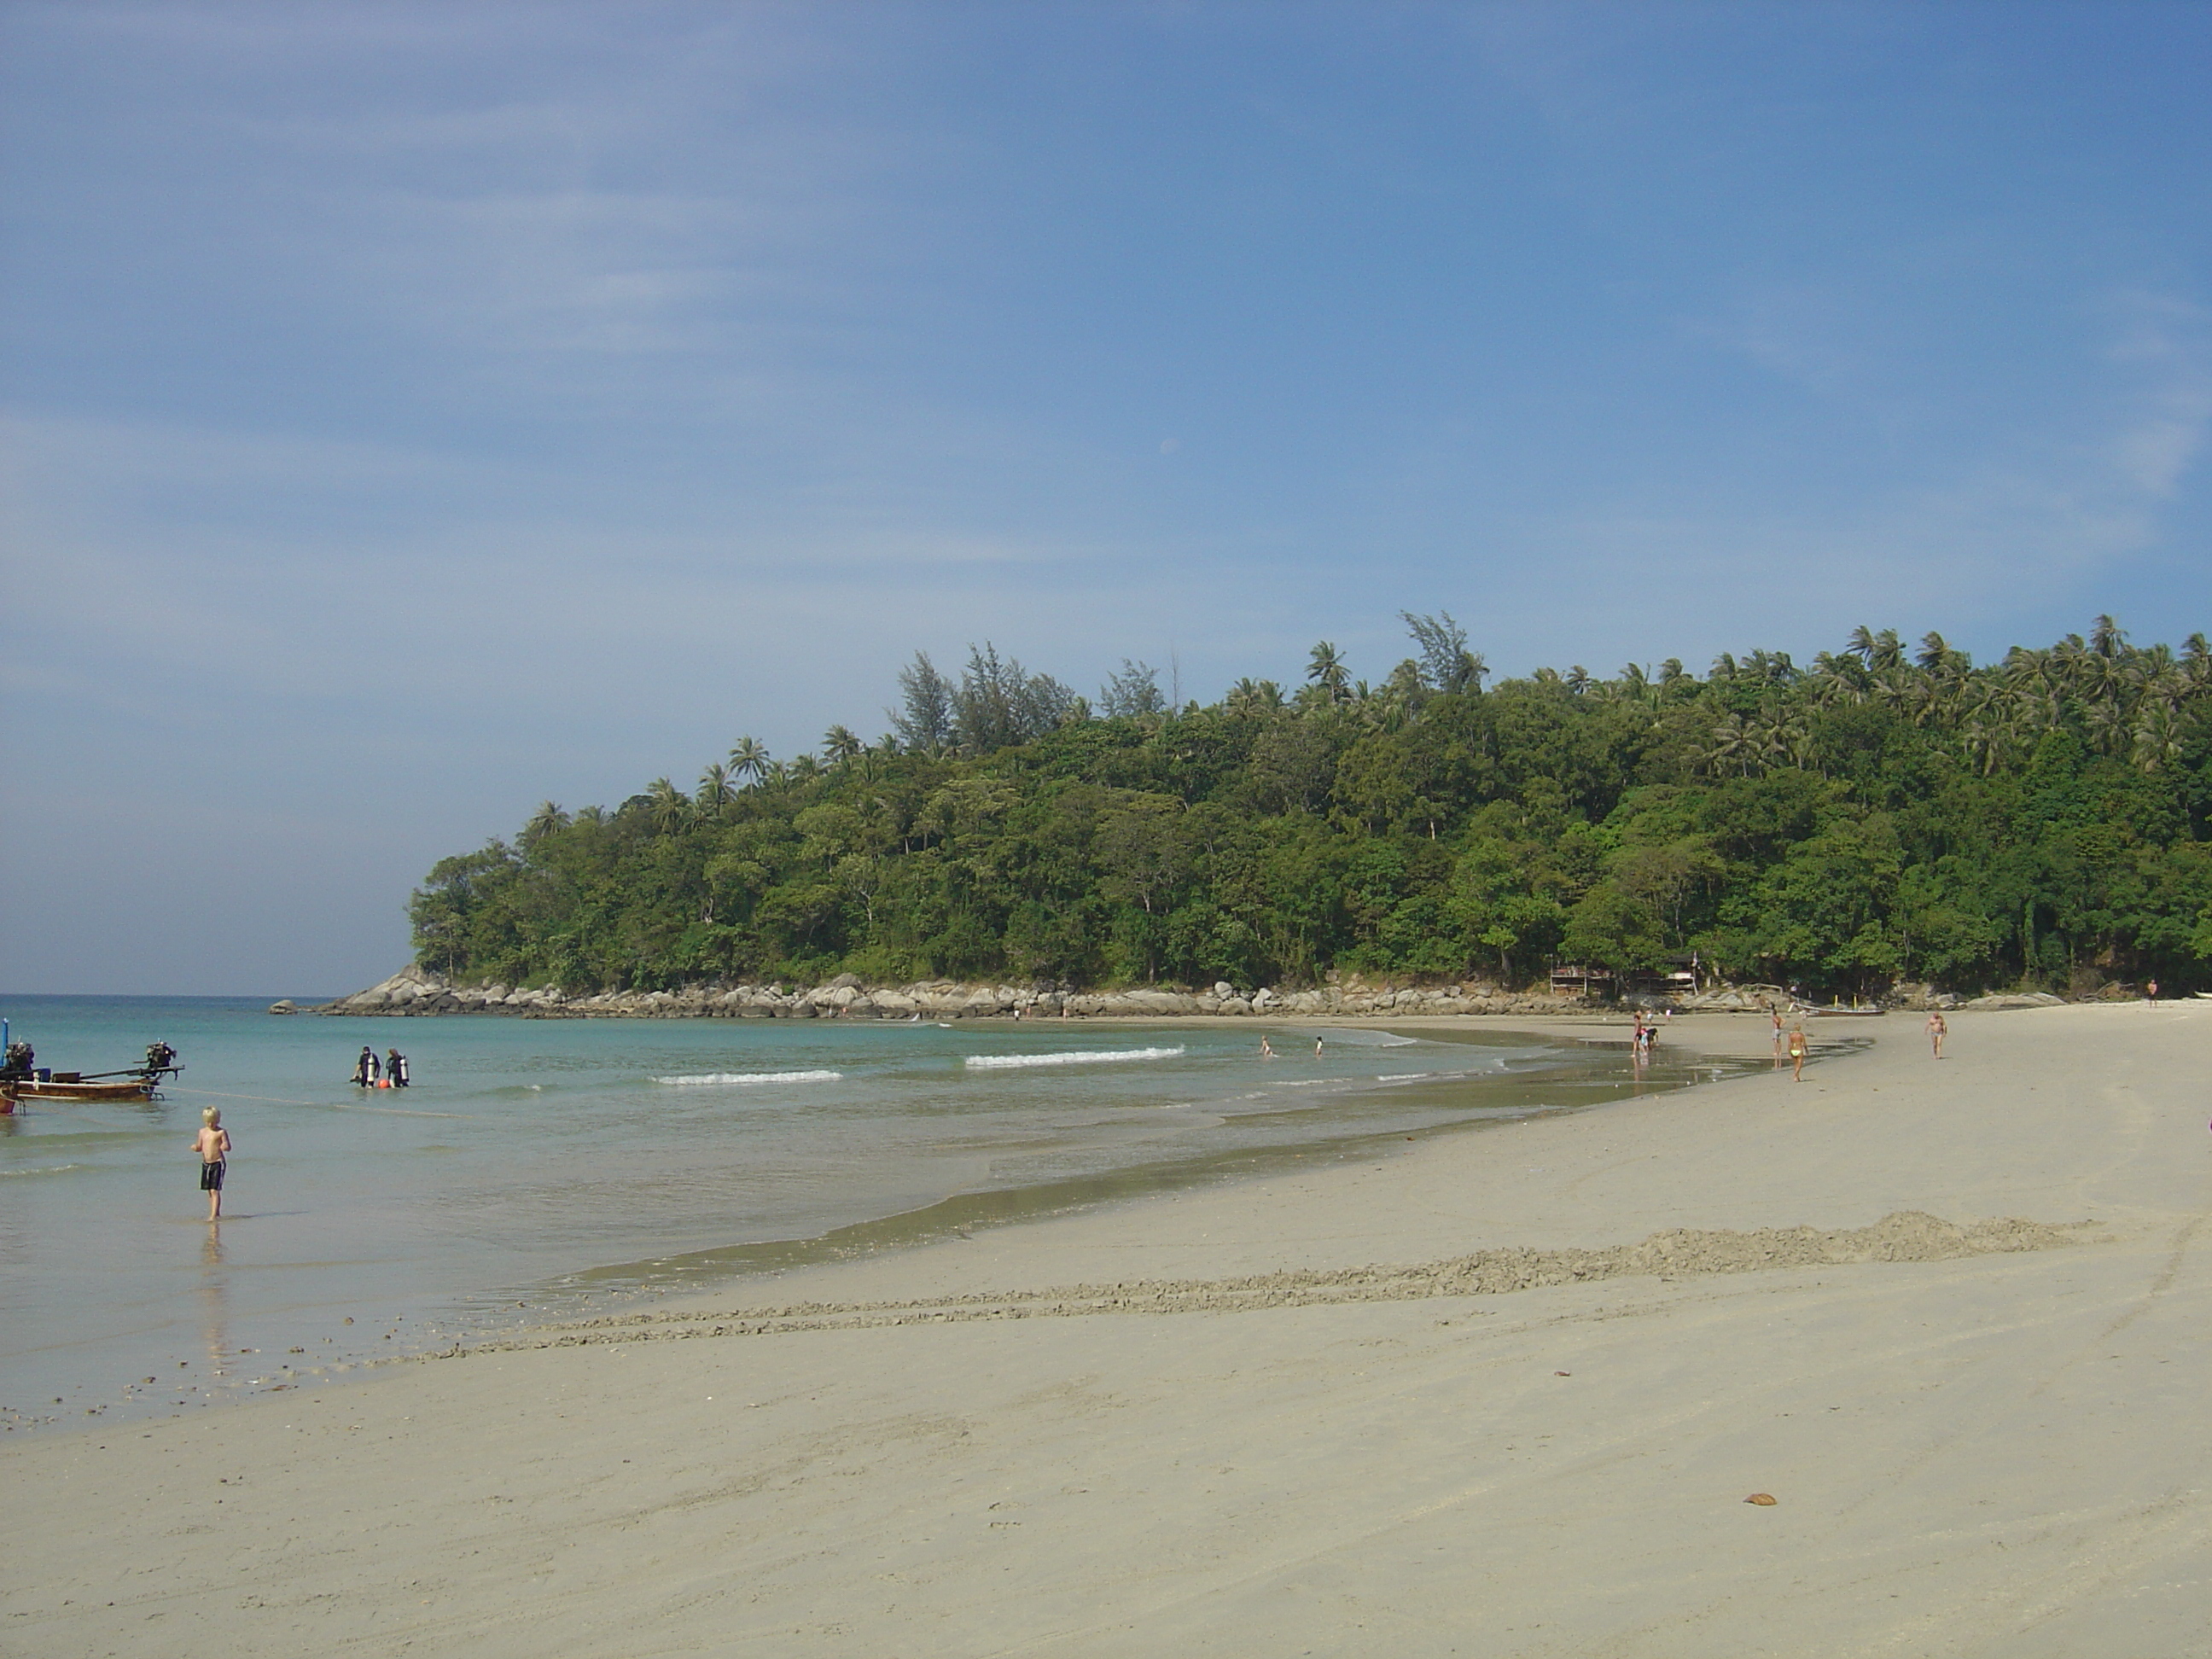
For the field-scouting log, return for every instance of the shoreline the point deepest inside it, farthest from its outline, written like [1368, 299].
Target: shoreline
[1971, 1449]
[417, 992]
[608, 1284]
[965, 1213]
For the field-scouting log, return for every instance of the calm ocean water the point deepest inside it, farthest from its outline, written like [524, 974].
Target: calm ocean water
[539, 1165]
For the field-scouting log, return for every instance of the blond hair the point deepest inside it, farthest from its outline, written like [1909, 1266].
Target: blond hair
[211, 1116]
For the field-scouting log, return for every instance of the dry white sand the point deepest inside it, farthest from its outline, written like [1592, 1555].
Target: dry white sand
[1981, 1437]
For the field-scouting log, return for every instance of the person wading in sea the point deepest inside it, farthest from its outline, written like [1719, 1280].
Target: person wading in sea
[212, 1143]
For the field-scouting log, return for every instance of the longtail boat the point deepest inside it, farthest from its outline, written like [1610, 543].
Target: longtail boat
[30, 1088]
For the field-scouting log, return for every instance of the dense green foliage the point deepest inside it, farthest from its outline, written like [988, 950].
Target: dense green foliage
[1882, 815]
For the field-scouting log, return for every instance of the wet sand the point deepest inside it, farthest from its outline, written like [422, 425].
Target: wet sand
[1503, 1393]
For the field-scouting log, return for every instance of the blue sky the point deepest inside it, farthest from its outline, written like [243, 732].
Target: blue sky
[412, 413]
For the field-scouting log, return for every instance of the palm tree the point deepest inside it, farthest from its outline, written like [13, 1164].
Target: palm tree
[838, 746]
[669, 805]
[2197, 659]
[2107, 725]
[2023, 667]
[750, 759]
[1325, 669]
[547, 818]
[717, 789]
[1781, 740]
[1982, 742]
[2157, 739]
[1839, 679]
[1728, 743]
[2030, 707]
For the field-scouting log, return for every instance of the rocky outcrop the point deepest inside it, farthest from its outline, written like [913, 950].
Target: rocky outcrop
[1920, 998]
[1739, 999]
[2017, 999]
[416, 990]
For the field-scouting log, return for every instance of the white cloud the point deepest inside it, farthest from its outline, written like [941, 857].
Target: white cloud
[2165, 338]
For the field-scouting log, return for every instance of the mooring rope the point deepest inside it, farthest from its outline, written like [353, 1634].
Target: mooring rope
[326, 1105]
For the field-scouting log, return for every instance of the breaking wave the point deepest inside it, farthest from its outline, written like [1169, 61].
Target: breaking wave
[742, 1079]
[1080, 1057]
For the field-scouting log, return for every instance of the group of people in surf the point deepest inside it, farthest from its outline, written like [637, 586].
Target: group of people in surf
[390, 1072]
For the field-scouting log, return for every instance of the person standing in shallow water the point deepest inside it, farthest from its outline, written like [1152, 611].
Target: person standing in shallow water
[212, 1143]
[364, 1069]
[395, 1068]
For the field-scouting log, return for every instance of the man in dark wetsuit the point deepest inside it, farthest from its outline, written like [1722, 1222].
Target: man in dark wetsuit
[365, 1069]
[395, 1068]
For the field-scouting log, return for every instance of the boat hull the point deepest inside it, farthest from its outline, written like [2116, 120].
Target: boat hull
[36, 1091]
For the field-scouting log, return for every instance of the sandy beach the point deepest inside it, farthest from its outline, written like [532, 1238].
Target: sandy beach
[1503, 1393]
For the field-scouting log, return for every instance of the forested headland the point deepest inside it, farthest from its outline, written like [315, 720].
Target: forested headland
[1889, 812]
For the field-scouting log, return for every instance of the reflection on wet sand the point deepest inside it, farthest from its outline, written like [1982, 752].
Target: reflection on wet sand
[214, 1294]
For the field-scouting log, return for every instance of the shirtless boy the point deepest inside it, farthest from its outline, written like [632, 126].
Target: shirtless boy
[1937, 1029]
[212, 1143]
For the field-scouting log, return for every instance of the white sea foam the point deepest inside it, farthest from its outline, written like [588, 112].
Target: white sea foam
[1080, 1057]
[746, 1080]
[1403, 1077]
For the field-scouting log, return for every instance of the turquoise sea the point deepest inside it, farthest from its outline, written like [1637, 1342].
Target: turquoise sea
[539, 1166]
